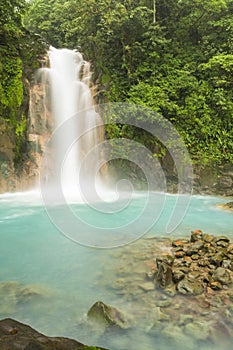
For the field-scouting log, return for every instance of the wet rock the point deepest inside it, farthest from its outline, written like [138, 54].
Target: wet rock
[158, 315]
[147, 286]
[177, 275]
[221, 238]
[222, 275]
[203, 262]
[184, 319]
[227, 264]
[167, 259]
[196, 235]
[226, 182]
[190, 287]
[183, 263]
[220, 335]
[175, 337]
[106, 316]
[227, 206]
[164, 303]
[18, 336]
[179, 254]
[180, 242]
[207, 238]
[215, 285]
[164, 275]
[197, 330]
[8, 296]
[195, 248]
[217, 259]
[30, 292]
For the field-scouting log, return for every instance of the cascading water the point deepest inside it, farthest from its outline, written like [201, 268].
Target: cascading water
[75, 123]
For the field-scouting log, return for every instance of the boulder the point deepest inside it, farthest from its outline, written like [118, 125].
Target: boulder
[164, 275]
[189, 286]
[106, 316]
[15, 335]
[222, 275]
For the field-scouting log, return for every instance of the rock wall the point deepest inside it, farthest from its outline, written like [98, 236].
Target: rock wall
[207, 179]
[26, 175]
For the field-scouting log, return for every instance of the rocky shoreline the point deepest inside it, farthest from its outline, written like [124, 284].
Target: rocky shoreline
[180, 291]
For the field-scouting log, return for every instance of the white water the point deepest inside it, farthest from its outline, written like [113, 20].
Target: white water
[74, 141]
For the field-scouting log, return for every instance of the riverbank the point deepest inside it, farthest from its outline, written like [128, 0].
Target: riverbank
[181, 290]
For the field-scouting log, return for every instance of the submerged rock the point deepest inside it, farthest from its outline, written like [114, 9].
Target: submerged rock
[197, 330]
[13, 293]
[15, 335]
[8, 296]
[106, 316]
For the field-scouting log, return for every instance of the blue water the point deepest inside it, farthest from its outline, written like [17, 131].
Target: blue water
[34, 252]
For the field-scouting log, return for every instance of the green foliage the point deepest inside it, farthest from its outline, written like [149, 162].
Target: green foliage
[180, 65]
[91, 348]
[19, 53]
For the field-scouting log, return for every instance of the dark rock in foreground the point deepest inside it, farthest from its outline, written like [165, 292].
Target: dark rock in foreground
[15, 335]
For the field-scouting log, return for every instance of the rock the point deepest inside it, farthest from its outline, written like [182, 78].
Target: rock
[176, 338]
[220, 336]
[203, 262]
[106, 316]
[177, 275]
[226, 182]
[228, 205]
[30, 292]
[164, 275]
[195, 248]
[167, 259]
[184, 319]
[215, 285]
[8, 296]
[147, 286]
[190, 287]
[179, 254]
[197, 330]
[196, 235]
[222, 275]
[158, 315]
[180, 242]
[207, 238]
[217, 259]
[221, 238]
[18, 336]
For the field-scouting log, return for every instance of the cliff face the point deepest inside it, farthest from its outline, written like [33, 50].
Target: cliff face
[211, 179]
[21, 53]
[24, 175]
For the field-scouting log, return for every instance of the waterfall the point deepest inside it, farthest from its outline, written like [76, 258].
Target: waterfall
[75, 136]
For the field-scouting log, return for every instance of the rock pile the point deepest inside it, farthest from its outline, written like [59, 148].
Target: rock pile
[196, 264]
